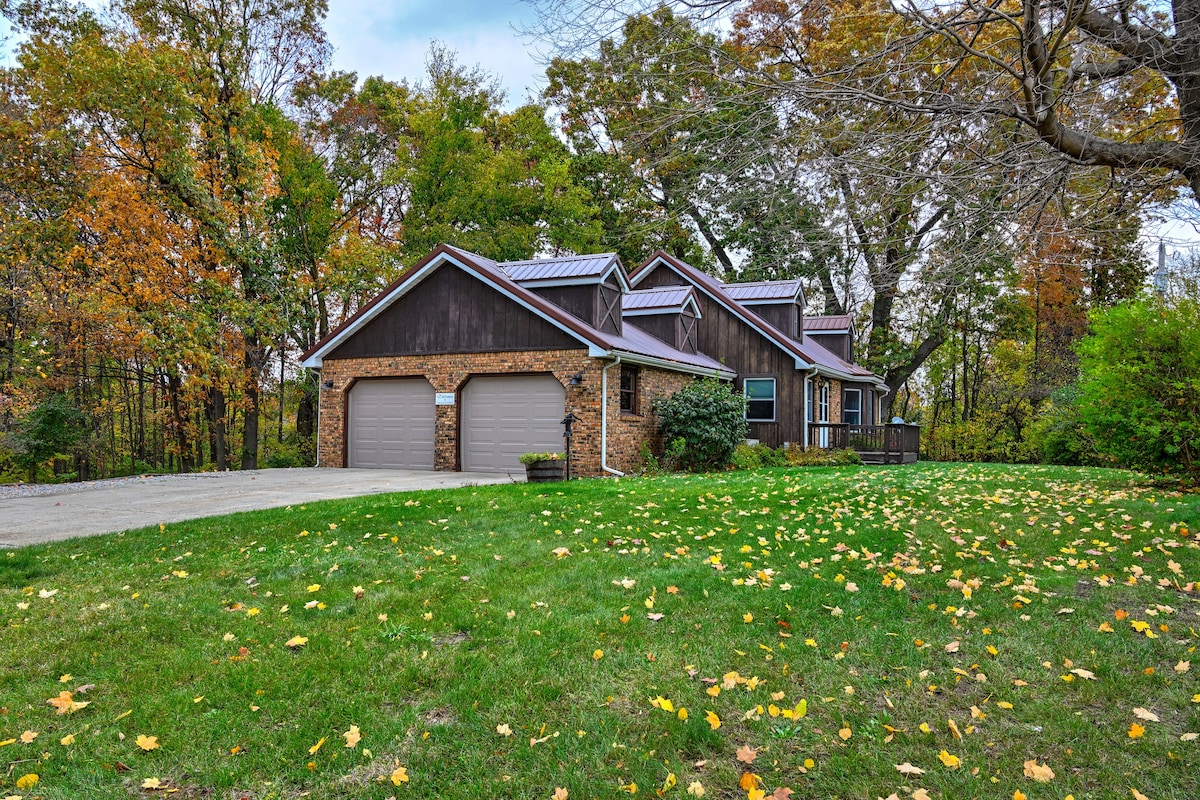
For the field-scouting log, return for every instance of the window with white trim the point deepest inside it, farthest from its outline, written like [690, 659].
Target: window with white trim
[852, 406]
[760, 399]
[823, 403]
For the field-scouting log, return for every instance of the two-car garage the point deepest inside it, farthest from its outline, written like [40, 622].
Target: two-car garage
[392, 422]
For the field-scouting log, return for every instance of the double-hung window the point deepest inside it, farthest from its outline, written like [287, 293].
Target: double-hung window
[760, 397]
[629, 390]
[852, 407]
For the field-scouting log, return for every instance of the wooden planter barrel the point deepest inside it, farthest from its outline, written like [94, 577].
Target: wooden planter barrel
[546, 471]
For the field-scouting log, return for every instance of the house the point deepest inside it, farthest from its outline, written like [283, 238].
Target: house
[796, 371]
[464, 363]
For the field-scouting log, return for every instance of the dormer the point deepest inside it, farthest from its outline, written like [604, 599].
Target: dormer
[834, 333]
[588, 287]
[780, 303]
[668, 313]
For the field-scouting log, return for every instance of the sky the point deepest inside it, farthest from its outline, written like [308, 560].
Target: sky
[392, 38]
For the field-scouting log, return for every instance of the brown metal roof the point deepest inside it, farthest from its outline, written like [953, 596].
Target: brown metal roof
[763, 291]
[836, 322]
[564, 267]
[664, 298]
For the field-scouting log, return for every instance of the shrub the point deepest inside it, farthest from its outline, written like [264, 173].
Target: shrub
[1139, 387]
[53, 428]
[533, 458]
[1059, 436]
[816, 457]
[709, 416]
[753, 456]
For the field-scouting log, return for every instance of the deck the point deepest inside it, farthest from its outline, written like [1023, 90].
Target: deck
[875, 444]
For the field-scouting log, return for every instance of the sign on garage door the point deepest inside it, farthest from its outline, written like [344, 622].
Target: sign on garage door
[391, 424]
[505, 416]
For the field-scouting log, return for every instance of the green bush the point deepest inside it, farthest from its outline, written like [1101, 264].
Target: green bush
[1058, 435]
[816, 457]
[1139, 387]
[51, 429]
[710, 416]
[753, 456]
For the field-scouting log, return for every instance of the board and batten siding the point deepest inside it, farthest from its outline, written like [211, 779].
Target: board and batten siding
[728, 339]
[453, 312]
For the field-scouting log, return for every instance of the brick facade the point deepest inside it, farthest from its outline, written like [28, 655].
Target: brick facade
[449, 373]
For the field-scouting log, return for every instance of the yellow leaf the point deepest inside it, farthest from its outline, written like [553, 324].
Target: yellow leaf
[1144, 714]
[954, 728]
[908, 769]
[747, 617]
[1183, 666]
[630, 787]
[695, 789]
[713, 720]
[1136, 730]
[65, 704]
[1105, 627]
[316, 587]
[399, 775]
[67, 740]
[1137, 795]
[147, 743]
[1004, 704]
[682, 713]
[7, 742]
[951, 761]
[924, 728]
[152, 783]
[503, 729]
[801, 709]
[313, 750]
[1019, 795]
[1038, 772]
[27, 781]
[670, 782]
[28, 736]
[296, 641]
[845, 733]
[749, 781]
[663, 703]
[352, 737]
[713, 691]
[597, 654]
[560, 793]
[1087, 675]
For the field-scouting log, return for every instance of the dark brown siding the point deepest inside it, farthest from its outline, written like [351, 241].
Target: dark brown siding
[784, 316]
[660, 326]
[726, 338]
[836, 343]
[608, 309]
[661, 276]
[687, 331]
[578, 301]
[452, 312]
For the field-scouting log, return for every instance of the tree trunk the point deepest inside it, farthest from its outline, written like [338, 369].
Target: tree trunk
[252, 363]
[216, 427]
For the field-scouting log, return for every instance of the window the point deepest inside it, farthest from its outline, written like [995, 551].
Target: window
[823, 403]
[629, 390]
[760, 392]
[852, 407]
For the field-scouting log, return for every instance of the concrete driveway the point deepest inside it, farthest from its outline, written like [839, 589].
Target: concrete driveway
[33, 514]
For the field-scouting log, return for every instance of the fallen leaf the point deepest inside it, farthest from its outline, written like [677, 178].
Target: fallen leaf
[714, 721]
[67, 740]
[1189, 737]
[746, 754]
[952, 647]
[399, 776]
[1136, 731]
[560, 793]
[1087, 675]
[908, 769]
[1148, 716]
[313, 750]
[1183, 666]
[1038, 772]
[695, 789]
[845, 733]
[28, 736]
[27, 781]
[503, 729]
[352, 737]
[1137, 795]
[951, 761]
[597, 654]
[149, 743]
[296, 641]
[65, 704]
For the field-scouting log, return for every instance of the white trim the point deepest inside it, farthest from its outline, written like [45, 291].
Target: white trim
[774, 397]
[674, 366]
[800, 362]
[315, 360]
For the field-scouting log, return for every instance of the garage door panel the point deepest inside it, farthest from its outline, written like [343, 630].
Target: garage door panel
[505, 416]
[391, 424]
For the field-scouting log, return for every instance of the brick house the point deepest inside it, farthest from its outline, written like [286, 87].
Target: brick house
[463, 363]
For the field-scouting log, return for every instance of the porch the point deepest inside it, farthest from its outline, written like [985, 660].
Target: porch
[875, 444]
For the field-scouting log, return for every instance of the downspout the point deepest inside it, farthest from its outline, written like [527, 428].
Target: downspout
[604, 421]
[319, 404]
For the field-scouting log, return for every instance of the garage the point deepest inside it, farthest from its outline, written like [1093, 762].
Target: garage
[505, 416]
[391, 424]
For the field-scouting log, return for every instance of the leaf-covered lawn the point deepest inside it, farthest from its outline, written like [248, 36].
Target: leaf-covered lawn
[924, 631]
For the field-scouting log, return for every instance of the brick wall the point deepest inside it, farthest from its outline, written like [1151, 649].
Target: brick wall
[449, 373]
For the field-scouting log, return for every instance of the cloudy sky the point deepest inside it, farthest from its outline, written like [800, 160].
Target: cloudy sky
[391, 38]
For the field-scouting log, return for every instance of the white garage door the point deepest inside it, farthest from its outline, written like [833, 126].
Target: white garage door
[503, 417]
[391, 424]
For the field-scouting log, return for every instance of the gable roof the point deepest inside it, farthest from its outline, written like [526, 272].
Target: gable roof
[660, 300]
[806, 352]
[836, 323]
[635, 346]
[567, 270]
[760, 292]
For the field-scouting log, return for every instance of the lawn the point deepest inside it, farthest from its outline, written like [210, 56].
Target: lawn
[926, 631]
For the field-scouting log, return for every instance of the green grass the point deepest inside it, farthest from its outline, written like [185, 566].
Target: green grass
[444, 615]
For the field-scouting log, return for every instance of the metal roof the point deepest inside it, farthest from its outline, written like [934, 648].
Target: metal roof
[561, 268]
[764, 291]
[837, 323]
[665, 298]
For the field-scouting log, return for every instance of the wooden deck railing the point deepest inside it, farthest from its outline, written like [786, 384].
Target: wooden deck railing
[875, 444]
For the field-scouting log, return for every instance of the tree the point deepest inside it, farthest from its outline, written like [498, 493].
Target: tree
[51, 429]
[1139, 389]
